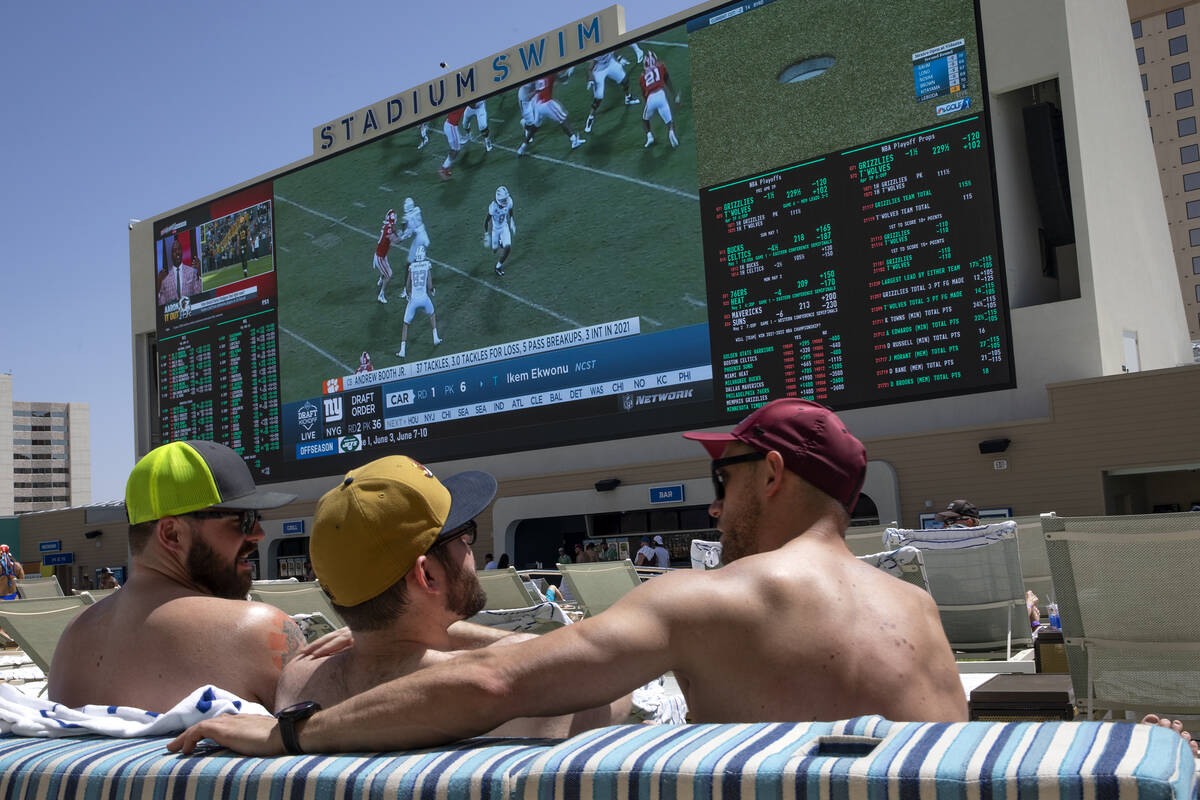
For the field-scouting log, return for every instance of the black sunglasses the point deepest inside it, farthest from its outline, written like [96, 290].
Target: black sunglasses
[247, 519]
[467, 531]
[719, 463]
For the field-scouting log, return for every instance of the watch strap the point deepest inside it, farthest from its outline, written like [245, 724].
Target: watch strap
[289, 722]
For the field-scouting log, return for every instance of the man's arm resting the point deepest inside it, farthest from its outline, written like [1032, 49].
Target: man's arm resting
[618, 650]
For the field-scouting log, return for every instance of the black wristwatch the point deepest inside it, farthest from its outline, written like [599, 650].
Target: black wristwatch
[288, 719]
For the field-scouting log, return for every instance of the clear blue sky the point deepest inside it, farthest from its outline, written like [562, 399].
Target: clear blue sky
[116, 111]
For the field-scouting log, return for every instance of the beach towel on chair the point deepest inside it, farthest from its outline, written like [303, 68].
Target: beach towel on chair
[22, 715]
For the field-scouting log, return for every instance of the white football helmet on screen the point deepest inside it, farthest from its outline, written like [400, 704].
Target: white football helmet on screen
[418, 253]
[501, 194]
[409, 205]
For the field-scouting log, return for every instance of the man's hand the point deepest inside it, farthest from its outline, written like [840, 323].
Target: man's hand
[329, 644]
[248, 734]
[487, 240]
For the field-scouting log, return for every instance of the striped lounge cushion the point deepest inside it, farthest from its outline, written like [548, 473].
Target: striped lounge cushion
[861, 758]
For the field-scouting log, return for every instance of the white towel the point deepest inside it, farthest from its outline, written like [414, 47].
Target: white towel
[521, 619]
[22, 715]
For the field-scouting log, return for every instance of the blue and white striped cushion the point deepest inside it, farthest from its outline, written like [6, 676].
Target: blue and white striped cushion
[938, 761]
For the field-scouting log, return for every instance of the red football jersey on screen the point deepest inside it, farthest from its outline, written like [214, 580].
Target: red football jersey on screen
[385, 240]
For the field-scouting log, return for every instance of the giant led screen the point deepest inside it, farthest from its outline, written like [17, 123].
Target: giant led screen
[780, 198]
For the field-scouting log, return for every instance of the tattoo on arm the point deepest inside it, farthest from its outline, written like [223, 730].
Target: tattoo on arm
[286, 643]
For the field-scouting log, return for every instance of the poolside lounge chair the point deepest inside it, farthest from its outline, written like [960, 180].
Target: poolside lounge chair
[38, 624]
[505, 589]
[92, 595]
[1035, 565]
[864, 540]
[905, 563]
[297, 598]
[33, 588]
[598, 585]
[1125, 587]
[974, 576]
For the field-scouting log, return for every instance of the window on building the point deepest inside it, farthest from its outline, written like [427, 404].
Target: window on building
[1141, 55]
[1137, 28]
[1183, 99]
[1186, 126]
[1177, 45]
[1196, 265]
[1191, 181]
[1189, 153]
[1194, 237]
[1193, 209]
[1145, 83]
[1181, 72]
[1175, 18]
[1198, 292]
[1148, 114]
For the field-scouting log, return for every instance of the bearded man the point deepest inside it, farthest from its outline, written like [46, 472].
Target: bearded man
[182, 620]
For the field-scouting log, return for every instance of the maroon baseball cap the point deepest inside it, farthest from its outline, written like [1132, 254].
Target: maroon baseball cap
[814, 444]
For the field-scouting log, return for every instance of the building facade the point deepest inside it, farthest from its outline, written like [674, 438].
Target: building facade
[1162, 37]
[1084, 432]
[45, 454]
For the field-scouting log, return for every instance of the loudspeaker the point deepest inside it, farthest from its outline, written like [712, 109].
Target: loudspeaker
[93, 534]
[608, 484]
[994, 445]
[1046, 144]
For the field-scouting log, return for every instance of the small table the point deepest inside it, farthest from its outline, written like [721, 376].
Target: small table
[1014, 697]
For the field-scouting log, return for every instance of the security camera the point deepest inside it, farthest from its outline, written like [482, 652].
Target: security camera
[133, 222]
[443, 64]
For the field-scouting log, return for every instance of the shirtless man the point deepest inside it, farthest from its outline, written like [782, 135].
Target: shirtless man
[391, 545]
[794, 629]
[181, 621]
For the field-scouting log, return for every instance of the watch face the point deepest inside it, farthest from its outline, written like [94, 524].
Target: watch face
[299, 710]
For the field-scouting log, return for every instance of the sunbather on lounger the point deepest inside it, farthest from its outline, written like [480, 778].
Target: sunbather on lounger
[793, 628]
[391, 545]
[182, 619]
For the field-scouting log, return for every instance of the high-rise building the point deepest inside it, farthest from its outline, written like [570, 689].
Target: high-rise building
[1163, 33]
[45, 454]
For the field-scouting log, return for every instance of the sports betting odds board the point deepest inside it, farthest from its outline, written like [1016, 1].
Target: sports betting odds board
[745, 206]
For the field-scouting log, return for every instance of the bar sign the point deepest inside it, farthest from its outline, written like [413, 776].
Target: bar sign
[666, 494]
[293, 527]
[50, 546]
[58, 559]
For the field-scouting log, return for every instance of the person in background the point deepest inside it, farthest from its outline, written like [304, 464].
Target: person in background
[503, 562]
[563, 558]
[11, 571]
[489, 561]
[108, 580]
[662, 558]
[959, 514]
[645, 554]
[610, 551]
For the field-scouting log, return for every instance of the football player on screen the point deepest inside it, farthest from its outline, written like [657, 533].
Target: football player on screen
[387, 238]
[478, 111]
[544, 105]
[414, 227]
[454, 138]
[606, 67]
[499, 225]
[420, 290]
[655, 83]
[423, 132]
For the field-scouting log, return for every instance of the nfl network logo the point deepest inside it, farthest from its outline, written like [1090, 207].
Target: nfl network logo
[954, 105]
[306, 415]
[333, 409]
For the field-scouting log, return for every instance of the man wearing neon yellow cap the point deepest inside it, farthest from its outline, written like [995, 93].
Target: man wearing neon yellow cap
[792, 628]
[391, 545]
[181, 621]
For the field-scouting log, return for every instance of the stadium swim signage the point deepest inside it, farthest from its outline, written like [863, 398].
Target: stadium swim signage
[508, 68]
